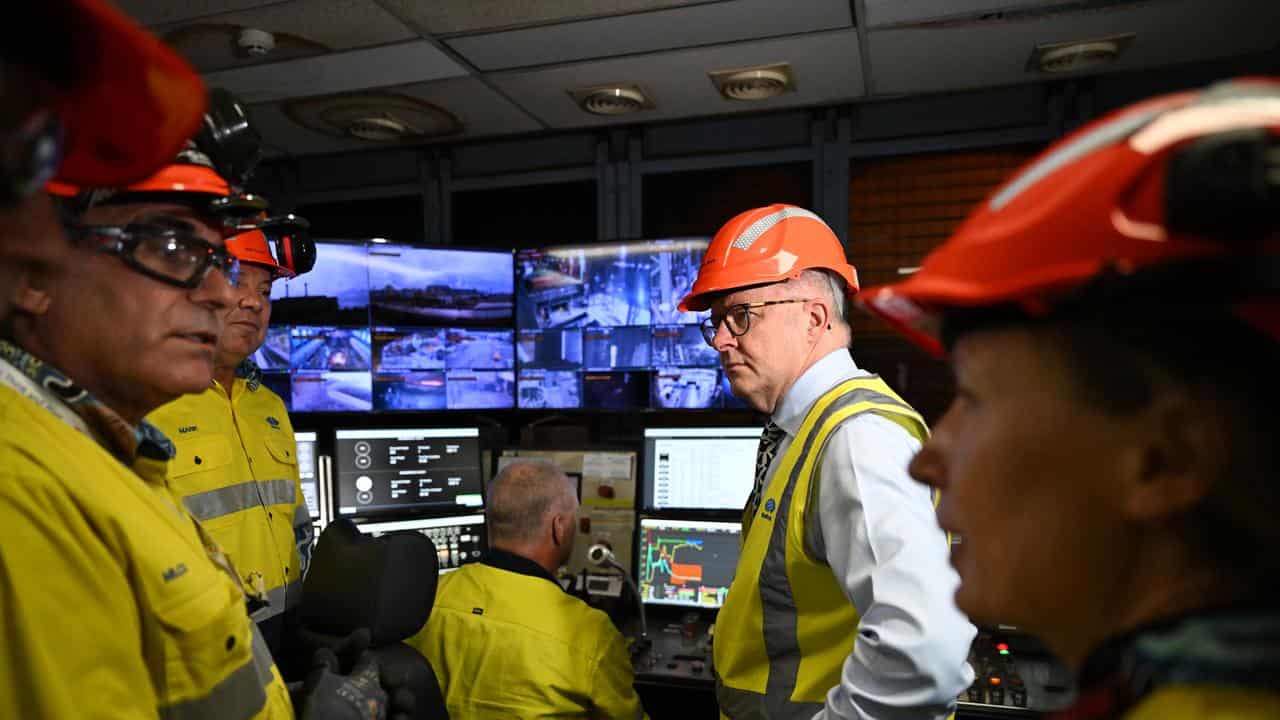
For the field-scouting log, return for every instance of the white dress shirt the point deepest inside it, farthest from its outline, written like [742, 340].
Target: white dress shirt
[885, 547]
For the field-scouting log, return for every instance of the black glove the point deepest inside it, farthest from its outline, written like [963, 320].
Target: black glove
[327, 695]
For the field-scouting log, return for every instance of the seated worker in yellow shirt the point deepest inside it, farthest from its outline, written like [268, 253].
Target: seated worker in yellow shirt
[236, 467]
[504, 639]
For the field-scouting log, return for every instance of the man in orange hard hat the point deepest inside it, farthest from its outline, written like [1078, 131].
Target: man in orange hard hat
[840, 605]
[1110, 459]
[236, 461]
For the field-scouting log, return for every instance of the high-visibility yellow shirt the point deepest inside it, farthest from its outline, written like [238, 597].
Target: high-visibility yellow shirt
[1208, 702]
[110, 605]
[506, 641]
[787, 626]
[236, 470]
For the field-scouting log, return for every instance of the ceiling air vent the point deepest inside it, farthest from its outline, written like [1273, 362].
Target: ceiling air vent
[755, 83]
[379, 117]
[1078, 55]
[612, 99]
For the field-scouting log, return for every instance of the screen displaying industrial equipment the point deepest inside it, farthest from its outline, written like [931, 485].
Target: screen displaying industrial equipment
[686, 562]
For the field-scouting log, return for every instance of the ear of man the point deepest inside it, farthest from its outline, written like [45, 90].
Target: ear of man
[31, 294]
[1174, 467]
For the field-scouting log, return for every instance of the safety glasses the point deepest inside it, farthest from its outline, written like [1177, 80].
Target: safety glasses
[165, 249]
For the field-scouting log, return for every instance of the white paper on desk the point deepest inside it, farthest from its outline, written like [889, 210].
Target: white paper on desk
[607, 466]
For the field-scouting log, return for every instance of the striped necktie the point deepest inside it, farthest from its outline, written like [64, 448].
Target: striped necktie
[769, 441]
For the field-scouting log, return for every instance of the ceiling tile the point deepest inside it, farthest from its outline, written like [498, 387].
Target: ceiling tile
[305, 28]
[384, 66]
[826, 67]
[696, 25]
[159, 12]
[879, 13]
[446, 17]
[985, 54]
[481, 110]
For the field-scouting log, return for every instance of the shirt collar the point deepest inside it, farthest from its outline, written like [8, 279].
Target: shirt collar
[511, 562]
[87, 414]
[249, 371]
[835, 367]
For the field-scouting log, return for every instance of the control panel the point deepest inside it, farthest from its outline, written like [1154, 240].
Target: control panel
[677, 652]
[1011, 672]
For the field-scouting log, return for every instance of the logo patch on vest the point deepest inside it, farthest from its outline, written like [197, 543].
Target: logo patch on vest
[175, 572]
[187, 429]
[477, 611]
[273, 422]
[766, 511]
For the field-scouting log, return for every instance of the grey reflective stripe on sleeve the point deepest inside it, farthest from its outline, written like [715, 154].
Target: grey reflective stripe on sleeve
[234, 498]
[262, 660]
[781, 637]
[241, 695]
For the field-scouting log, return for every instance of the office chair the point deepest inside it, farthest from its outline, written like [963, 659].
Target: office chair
[386, 584]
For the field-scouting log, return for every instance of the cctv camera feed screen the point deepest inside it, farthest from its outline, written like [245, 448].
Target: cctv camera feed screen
[436, 287]
[686, 563]
[609, 312]
[331, 369]
[706, 468]
[686, 388]
[458, 540]
[550, 349]
[306, 442]
[549, 389]
[275, 351]
[336, 292]
[389, 471]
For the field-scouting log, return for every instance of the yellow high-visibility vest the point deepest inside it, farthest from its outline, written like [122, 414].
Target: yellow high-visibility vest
[786, 626]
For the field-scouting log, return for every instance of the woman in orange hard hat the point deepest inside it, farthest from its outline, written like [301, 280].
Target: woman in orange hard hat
[1110, 459]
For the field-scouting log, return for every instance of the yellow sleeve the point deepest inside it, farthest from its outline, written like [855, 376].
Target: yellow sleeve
[70, 642]
[612, 693]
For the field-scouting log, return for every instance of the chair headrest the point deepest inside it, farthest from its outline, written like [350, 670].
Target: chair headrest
[386, 583]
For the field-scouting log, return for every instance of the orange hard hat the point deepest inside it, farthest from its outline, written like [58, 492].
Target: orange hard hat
[1184, 182]
[767, 245]
[252, 247]
[131, 102]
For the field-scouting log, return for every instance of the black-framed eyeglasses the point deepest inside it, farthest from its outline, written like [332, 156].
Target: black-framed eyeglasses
[738, 318]
[168, 251]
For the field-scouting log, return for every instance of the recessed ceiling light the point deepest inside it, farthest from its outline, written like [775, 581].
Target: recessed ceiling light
[1078, 55]
[612, 99]
[376, 116]
[379, 128]
[754, 83]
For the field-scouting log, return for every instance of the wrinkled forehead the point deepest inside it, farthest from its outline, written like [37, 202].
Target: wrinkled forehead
[166, 213]
[755, 293]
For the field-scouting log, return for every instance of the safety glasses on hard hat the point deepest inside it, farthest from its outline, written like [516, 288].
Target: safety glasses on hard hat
[738, 318]
[29, 156]
[168, 250]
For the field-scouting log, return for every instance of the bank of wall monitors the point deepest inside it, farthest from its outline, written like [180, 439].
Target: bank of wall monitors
[384, 472]
[705, 468]
[459, 540]
[597, 326]
[392, 327]
[307, 471]
[688, 563]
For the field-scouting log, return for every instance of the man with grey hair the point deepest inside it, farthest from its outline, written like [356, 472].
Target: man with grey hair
[531, 650]
[841, 604]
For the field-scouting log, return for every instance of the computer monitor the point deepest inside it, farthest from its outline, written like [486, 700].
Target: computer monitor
[699, 468]
[687, 563]
[337, 293]
[306, 454]
[458, 540]
[437, 287]
[387, 471]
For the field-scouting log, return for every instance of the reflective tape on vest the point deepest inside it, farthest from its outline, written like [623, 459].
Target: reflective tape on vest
[234, 498]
